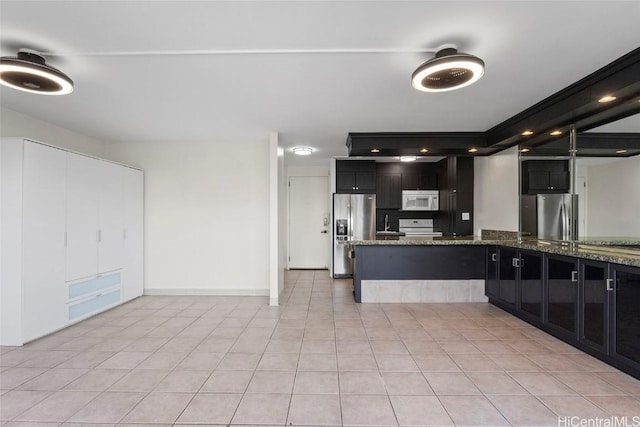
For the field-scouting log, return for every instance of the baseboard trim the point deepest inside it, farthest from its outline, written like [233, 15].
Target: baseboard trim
[212, 292]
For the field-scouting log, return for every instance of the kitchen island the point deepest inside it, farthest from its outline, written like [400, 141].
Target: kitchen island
[454, 269]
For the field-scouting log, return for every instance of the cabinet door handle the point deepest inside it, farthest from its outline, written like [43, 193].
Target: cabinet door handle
[609, 285]
[574, 276]
[517, 262]
[494, 257]
[99, 236]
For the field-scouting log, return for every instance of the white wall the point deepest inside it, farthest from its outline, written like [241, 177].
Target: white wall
[496, 197]
[207, 213]
[613, 198]
[17, 124]
[277, 220]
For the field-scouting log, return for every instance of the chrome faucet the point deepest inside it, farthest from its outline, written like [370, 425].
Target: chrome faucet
[386, 222]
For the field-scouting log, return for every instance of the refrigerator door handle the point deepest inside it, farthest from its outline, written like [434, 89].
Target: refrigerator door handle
[564, 216]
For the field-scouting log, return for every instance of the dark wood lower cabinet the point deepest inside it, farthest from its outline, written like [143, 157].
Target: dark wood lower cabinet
[562, 294]
[530, 288]
[507, 276]
[492, 282]
[594, 305]
[626, 309]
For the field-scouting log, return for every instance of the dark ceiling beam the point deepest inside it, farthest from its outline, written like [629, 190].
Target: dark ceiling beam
[410, 143]
[576, 104]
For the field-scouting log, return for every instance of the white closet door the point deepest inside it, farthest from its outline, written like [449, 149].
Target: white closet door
[110, 217]
[133, 223]
[44, 211]
[82, 216]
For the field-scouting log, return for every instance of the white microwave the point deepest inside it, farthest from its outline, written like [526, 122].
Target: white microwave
[420, 200]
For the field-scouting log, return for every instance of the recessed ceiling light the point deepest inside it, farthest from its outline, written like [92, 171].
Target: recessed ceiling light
[621, 151]
[424, 150]
[607, 98]
[408, 158]
[527, 133]
[375, 150]
[524, 150]
[28, 72]
[556, 133]
[447, 70]
[473, 150]
[302, 151]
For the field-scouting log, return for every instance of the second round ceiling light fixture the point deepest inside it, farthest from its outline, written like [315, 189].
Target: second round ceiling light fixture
[28, 72]
[447, 70]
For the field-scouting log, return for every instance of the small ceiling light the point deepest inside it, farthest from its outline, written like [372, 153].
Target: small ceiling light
[302, 151]
[29, 72]
[524, 150]
[607, 98]
[556, 133]
[527, 133]
[408, 158]
[473, 150]
[424, 150]
[621, 151]
[375, 150]
[447, 70]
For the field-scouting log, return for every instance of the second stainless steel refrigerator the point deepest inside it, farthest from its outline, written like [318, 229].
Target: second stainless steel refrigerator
[354, 217]
[550, 216]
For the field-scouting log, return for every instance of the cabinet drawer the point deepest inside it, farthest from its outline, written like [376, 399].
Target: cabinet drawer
[96, 303]
[94, 284]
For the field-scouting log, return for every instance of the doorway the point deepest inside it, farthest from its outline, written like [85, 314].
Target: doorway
[308, 222]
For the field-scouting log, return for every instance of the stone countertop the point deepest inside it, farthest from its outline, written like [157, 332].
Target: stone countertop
[597, 250]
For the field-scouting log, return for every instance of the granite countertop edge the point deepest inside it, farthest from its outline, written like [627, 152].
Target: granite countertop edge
[586, 250]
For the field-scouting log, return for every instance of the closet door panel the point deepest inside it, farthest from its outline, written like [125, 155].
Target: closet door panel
[82, 216]
[43, 219]
[133, 224]
[110, 217]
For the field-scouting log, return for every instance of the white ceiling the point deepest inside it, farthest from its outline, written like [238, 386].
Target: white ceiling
[209, 70]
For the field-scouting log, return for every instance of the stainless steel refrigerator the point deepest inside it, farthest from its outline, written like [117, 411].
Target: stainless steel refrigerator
[354, 218]
[550, 216]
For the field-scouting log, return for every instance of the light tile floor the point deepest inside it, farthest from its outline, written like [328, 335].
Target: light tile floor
[318, 359]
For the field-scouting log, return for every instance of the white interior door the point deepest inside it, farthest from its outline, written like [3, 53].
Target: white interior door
[308, 222]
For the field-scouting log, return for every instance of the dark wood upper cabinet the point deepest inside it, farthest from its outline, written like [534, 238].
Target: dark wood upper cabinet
[356, 176]
[394, 177]
[411, 181]
[389, 191]
[545, 176]
[423, 177]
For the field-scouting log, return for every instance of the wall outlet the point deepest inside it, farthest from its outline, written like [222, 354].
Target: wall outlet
[466, 216]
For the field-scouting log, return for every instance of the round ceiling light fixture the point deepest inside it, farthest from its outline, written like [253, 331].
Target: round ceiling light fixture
[302, 151]
[29, 72]
[447, 70]
[408, 158]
